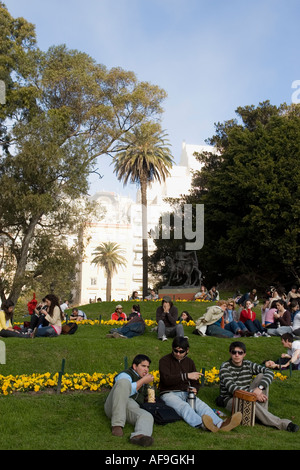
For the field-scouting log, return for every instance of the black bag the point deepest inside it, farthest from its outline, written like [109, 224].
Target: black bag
[162, 413]
[69, 328]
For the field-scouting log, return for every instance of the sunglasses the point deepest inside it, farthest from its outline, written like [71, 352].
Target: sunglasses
[240, 353]
[179, 351]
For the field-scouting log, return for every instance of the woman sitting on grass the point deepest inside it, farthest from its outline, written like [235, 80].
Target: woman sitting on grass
[248, 317]
[232, 322]
[6, 328]
[53, 315]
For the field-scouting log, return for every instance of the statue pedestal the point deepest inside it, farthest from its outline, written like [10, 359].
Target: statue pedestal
[177, 293]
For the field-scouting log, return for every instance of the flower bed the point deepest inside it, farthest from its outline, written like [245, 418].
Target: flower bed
[82, 381]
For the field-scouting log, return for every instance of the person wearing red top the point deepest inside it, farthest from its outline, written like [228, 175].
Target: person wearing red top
[119, 314]
[248, 317]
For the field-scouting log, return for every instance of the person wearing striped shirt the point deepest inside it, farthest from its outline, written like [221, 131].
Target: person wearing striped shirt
[237, 374]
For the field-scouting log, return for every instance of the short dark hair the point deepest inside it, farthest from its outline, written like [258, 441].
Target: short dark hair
[294, 303]
[180, 342]
[140, 358]
[287, 337]
[237, 344]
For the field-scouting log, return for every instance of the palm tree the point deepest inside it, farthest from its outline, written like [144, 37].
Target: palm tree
[108, 256]
[142, 157]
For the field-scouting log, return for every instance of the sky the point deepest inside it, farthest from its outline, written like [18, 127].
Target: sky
[210, 56]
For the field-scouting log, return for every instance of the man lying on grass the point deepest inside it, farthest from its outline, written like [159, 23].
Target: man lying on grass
[289, 359]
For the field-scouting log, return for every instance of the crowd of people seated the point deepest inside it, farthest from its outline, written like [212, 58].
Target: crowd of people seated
[204, 294]
[234, 317]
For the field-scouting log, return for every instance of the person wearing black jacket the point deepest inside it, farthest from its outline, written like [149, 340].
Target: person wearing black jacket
[166, 319]
[178, 377]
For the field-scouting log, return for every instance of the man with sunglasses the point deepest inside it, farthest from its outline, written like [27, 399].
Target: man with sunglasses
[178, 376]
[237, 374]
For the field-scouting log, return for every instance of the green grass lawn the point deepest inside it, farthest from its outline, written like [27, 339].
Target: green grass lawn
[49, 421]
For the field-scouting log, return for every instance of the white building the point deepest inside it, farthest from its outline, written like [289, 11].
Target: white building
[122, 224]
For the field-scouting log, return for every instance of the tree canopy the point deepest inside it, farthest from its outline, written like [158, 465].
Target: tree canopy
[62, 111]
[249, 185]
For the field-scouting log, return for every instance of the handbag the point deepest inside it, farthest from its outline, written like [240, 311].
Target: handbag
[162, 413]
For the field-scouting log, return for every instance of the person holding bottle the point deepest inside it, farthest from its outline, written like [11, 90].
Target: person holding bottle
[178, 378]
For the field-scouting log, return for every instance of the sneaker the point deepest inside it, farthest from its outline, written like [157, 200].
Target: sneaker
[141, 440]
[164, 338]
[292, 427]
[266, 334]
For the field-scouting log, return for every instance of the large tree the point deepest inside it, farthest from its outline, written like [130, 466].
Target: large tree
[250, 188]
[62, 111]
[143, 156]
[108, 255]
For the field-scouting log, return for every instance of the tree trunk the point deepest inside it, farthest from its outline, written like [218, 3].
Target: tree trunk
[145, 236]
[108, 287]
[19, 277]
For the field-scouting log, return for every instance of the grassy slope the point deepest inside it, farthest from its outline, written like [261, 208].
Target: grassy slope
[77, 421]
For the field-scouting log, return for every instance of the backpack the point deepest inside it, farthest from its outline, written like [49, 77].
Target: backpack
[162, 413]
[69, 328]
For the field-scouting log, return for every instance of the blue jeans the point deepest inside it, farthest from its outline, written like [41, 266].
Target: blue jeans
[235, 326]
[216, 330]
[46, 331]
[130, 331]
[254, 326]
[177, 400]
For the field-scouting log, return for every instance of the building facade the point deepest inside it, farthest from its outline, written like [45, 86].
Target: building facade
[122, 224]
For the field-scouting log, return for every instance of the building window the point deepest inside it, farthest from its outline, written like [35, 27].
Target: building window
[93, 281]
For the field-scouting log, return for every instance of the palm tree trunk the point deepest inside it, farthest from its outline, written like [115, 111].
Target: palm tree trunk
[145, 236]
[108, 287]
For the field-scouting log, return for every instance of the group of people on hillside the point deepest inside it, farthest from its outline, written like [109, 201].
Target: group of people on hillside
[178, 379]
[151, 296]
[46, 318]
[178, 375]
[205, 294]
[226, 318]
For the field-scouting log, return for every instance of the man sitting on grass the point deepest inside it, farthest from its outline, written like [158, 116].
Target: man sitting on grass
[122, 405]
[178, 376]
[237, 374]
